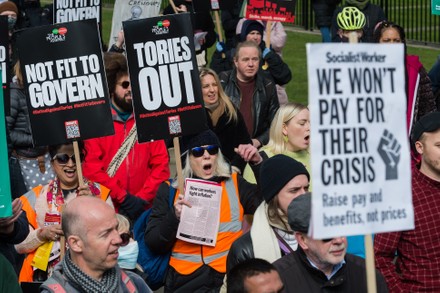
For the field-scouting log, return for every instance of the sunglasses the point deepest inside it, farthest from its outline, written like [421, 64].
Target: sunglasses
[63, 159]
[327, 240]
[125, 238]
[199, 151]
[124, 84]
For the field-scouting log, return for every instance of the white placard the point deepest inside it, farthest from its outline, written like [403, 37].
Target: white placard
[199, 224]
[359, 151]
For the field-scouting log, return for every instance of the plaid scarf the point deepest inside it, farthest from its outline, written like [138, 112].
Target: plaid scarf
[108, 283]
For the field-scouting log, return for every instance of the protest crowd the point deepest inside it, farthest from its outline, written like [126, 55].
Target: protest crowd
[214, 191]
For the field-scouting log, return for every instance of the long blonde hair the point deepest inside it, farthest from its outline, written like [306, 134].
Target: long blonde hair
[224, 100]
[285, 113]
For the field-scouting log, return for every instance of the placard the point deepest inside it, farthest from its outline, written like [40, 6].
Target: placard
[360, 152]
[4, 62]
[167, 95]
[5, 184]
[65, 80]
[131, 10]
[275, 10]
[435, 7]
[74, 10]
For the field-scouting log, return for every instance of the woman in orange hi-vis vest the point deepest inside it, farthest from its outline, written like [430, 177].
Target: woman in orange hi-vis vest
[196, 267]
[43, 204]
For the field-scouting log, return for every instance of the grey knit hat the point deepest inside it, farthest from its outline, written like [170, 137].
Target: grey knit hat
[299, 211]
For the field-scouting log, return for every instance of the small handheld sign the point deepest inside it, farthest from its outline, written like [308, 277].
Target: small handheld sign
[276, 10]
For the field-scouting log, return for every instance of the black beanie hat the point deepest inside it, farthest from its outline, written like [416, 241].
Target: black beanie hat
[206, 137]
[276, 172]
[298, 212]
[251, 25]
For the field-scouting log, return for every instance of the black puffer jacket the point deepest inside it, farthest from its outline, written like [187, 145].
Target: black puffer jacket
[19, 125]
[265, 101]
[324, 11]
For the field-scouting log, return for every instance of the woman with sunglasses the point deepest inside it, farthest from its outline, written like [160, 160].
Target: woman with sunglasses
[199, 268]
[43, 205]
[223, 118]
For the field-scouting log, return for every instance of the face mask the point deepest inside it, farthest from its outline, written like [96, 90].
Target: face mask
[128, 255]
[11, 23]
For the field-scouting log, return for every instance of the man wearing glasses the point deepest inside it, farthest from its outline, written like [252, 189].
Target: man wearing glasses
[320, 265]
[140, 168]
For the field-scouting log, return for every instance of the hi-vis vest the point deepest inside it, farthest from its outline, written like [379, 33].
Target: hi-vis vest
[28, 200]
[187, 257]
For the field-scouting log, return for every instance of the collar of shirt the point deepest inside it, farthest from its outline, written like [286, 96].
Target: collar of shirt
[336, 268]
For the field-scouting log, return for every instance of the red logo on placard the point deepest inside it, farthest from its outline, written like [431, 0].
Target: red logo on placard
[166, 23]
[62, 30]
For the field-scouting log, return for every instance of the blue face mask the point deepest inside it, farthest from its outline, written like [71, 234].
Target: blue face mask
[128, 255]
[11, 23]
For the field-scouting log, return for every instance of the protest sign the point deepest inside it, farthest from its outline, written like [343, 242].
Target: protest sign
[360, 155]
[74, 10]
[5, 185]
[4, 62]
[131, 10]
[435, 7]
[65, 81]
[275, 10]
[167, 95]
[200, 223]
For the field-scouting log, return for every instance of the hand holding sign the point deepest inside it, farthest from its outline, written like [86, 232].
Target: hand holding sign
[389, 150]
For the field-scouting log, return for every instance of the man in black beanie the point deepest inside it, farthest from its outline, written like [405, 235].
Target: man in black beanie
[281, 180]
[320, 265]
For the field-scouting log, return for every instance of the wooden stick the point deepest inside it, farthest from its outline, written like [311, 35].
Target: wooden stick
[178, 164]
[368, 239]
[369, 262]
[173, 6]
[218, 25]
[78, 163]
[62, 239]
[268, 31]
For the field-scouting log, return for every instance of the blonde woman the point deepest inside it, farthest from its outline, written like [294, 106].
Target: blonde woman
[289, 135]
[223, 118]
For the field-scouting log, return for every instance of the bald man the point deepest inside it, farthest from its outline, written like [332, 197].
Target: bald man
[90, 265]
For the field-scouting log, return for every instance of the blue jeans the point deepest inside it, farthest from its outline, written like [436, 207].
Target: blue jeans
[325, 33]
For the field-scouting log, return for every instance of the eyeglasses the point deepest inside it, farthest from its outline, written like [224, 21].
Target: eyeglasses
[124, 84]
[125, 238]
[63, 159]
[327, 240]
[199, 151]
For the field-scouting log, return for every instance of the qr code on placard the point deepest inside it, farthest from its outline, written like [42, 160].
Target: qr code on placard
[72, 129]
[174, 125]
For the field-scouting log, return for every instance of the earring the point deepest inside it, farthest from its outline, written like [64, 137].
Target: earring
[285, 138]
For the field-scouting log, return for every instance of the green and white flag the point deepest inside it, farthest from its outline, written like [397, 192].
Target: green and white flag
[435, 7]
[5, 186]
